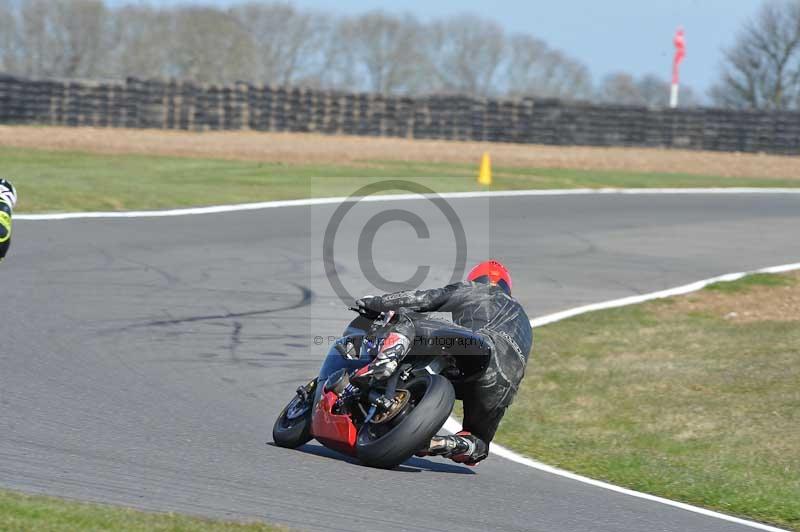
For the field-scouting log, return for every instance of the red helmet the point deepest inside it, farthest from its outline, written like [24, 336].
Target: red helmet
[491, 272]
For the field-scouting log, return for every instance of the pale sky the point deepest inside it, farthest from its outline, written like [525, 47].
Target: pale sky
[607, 35]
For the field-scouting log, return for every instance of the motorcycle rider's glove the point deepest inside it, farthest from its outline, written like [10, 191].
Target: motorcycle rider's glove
[368, 306]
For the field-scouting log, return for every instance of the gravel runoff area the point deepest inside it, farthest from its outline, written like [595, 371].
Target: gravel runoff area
[305, 148]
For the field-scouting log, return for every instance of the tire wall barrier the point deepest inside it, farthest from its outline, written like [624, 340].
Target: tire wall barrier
[159, 104]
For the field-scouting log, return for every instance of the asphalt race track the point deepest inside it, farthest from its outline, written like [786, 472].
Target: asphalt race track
[143, 361]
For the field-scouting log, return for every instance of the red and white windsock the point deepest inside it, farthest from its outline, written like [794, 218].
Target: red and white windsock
[680, 53]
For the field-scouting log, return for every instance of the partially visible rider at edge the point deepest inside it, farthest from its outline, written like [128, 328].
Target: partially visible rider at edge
[8, 198]
[482, 305]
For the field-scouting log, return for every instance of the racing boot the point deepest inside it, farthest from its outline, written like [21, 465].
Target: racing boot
[462, 447]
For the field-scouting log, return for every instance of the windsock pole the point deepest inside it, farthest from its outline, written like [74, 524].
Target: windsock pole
[680, 53]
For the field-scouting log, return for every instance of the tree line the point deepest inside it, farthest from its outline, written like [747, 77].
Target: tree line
[761, 69]
[379, 52]
[279, 44]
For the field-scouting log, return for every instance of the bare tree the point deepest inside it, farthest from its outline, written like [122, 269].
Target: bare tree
[35, 41]
[620, 88]
[533, 69]
[654, 91]
[62, 39]
[278, 43]
[142, 37]
[762, 69]
[8, 37]
[649, 90]
[210, 46]
[84, 37]
[385, 49]
[465, 53]
[288, 43]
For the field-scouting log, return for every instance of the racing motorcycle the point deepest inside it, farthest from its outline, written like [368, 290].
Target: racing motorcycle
[381, 422]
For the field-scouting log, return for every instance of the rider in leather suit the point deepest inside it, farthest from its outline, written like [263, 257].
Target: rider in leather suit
[8, 198]
[483, 306]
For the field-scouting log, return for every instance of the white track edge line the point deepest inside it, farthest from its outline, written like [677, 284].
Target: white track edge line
[214, 209]
[454, 426]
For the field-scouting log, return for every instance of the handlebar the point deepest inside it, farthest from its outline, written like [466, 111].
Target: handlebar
[366, 313]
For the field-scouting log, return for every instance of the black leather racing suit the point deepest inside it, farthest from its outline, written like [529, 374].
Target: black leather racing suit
[499, 320]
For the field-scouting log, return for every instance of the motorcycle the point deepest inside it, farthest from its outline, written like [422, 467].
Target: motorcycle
[382, 422]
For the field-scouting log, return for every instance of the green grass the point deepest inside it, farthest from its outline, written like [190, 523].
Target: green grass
[54, 181]
[688, 406]
[749, 282]
[692, 407]
[47, 514]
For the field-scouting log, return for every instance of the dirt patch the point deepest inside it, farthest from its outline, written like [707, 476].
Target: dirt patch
[759, 303]
[296, 148]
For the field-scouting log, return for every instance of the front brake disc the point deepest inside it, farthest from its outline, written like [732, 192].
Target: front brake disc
[400, 401]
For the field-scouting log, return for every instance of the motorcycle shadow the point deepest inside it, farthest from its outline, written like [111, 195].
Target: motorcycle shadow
[412, 465]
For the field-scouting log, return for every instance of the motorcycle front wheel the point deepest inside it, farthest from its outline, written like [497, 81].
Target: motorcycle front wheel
[293, 426]
[387, 445]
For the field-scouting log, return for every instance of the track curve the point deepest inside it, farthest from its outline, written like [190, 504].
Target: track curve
[143, 360]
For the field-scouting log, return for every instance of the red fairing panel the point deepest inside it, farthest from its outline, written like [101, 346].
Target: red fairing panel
[332, 430]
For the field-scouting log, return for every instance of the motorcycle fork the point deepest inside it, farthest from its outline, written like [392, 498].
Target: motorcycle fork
[383, 401]
[307, 389]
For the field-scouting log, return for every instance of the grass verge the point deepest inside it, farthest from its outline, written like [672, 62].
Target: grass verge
[46, 514]
[695, 398]
[58, 181]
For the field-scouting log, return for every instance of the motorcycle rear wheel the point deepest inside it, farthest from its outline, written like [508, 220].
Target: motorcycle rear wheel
[432, 399]
[293, 426]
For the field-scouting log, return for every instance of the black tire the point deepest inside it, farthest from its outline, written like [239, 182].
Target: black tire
[292, 432]
[414, 430]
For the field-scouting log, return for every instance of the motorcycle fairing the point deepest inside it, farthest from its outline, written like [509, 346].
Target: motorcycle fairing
[333, 430]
